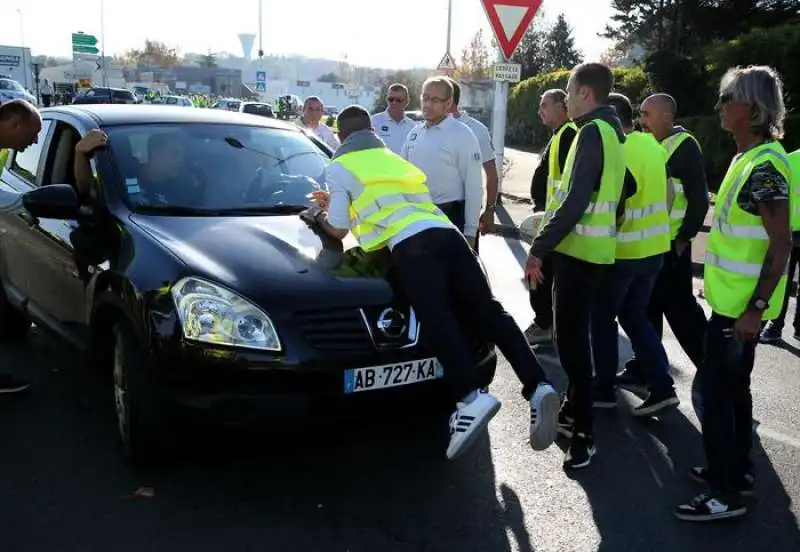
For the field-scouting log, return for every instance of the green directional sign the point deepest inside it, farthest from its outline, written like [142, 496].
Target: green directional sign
[83, 39]
[78, 49]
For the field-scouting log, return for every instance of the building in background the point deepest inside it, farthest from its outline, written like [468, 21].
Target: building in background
[15, 63]
[72, 73]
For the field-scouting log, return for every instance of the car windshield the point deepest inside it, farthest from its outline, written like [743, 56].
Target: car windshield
[8, 84]
[257, 109]
[208, 169]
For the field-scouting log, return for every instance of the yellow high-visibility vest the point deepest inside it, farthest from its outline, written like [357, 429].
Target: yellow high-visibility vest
[678, 210]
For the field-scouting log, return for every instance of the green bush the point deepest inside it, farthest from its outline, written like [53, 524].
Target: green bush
[685, 79]
[718, 146]
[523, 125]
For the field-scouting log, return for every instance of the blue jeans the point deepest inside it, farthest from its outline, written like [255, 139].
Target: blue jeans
[625, 294]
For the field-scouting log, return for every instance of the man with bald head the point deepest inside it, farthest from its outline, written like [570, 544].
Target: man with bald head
[673, 295]
[20, 124]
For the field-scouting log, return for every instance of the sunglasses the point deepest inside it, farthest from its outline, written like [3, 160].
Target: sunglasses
[396, 100]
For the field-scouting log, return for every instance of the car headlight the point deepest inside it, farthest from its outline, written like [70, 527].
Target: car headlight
[211, 313]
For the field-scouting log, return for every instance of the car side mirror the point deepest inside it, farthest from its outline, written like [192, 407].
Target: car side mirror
[56, 201]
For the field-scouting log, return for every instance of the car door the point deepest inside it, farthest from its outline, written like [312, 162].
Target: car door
[59, 274]
[22, 172]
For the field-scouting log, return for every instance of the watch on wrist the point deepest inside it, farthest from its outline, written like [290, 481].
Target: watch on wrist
[759, 303]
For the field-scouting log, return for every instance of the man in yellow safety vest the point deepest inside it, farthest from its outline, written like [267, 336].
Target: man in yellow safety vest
[579, 230]
[384, 201]
[745, 283]
[642, 240]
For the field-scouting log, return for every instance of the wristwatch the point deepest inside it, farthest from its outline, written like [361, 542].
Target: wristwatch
[759, 304]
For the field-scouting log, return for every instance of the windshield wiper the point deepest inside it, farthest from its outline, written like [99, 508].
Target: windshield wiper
[265, 210]
[231, 211]
[176, 210]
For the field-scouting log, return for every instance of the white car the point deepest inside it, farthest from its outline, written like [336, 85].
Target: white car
[181, 101]
[12, 90]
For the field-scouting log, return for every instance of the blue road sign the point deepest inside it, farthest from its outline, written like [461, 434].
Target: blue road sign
[261, 87]
[261, 76]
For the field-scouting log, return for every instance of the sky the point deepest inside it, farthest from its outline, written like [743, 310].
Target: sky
[409, 33]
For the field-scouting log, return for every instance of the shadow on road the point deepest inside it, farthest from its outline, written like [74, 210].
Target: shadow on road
[359, 485]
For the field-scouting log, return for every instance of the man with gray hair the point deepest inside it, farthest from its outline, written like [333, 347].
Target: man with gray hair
[745, 283]
[392, 126]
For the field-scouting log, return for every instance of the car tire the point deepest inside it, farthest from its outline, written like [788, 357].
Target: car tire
[137, 401]
[14, 325]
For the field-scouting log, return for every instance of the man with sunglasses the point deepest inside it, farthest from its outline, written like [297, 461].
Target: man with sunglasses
[392, 126]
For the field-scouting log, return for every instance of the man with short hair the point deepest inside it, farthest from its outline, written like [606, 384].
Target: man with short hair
[384, 201]
[392, 126]
[546, 177]
[313, 109]
[579, 230]
[642, 240]
[20, 124]
[486, 224]
[449, 155]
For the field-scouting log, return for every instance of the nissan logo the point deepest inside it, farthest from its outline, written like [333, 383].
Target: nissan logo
[392, 323]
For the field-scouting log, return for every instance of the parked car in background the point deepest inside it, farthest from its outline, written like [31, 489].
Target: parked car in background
[257, 108]
[12, 90]
[181, 101]
[206, 293]
[106, 96]
[228, 104]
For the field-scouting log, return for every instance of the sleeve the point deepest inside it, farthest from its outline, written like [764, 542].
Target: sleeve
[539, 181]
[585, 177]
[629, 187]
[485, 143]
[563, 147]
[688, 165]
[470, 169]
[339, 202]
[765, 185]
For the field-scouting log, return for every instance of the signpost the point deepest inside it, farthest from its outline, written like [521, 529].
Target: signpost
[447, 65]
[509, 19]
[261, 81]
[84, 48]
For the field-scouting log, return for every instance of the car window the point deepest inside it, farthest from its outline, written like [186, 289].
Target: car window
[216, 167]
[258, 109]
[172, 101]
[26, 162]
[8, 84]
[122, 94]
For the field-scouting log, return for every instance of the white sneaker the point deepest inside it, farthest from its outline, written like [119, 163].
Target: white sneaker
[535, 335]
[545, 405]
[468, 421]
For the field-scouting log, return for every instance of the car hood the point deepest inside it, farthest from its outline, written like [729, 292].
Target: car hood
[265, 257]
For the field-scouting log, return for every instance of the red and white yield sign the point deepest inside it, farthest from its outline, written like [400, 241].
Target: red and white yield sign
[510, 20]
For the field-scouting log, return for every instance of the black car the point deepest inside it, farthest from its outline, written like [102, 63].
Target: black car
[106, 96]
[185, 270]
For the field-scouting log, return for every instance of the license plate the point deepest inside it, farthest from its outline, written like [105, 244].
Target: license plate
[392, 375]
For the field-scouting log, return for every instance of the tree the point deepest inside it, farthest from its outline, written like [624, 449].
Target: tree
[411, 79]
[612, 56]
[208, 60]
[475, 64]
[154, 53]
[530, 53]
[560, 51]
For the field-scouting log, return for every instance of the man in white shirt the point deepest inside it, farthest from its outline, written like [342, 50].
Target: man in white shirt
[487, 158]
[449, 155]
[310, 119]
[392, 126]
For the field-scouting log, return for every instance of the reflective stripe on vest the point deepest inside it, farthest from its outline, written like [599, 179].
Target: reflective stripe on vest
[679, 203]
[593, 239]
[554, 154]
[392, 197]
[738, 241]
[645, 230]
[794, 186]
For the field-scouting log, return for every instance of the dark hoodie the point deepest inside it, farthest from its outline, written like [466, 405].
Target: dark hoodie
[585, 181]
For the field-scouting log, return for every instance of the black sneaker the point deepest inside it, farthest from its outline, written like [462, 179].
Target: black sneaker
[604, 397]
[656, 402]
[565, 423]
[771, 334]
[631, 379]
[707, 507]
[580, 452]
[10, 384]
[746, 487]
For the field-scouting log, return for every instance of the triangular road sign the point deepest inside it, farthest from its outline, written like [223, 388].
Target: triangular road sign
[447, 63]
[510, 20]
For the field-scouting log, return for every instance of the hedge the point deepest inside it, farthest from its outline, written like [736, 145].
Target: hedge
[718, 146]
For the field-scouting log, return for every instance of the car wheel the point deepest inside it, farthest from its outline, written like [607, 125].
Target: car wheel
[137, 401]
[14, 325]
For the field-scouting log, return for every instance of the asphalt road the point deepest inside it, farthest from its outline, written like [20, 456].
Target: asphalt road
[375, 486]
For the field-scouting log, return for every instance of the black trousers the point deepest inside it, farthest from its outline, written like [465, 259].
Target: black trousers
[727, 406]
[794, 265]
[454, 210]
[673, 299]
[575, 285]
[437, 269]
[542, 297]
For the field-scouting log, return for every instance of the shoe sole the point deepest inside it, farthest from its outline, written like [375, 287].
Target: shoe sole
[658, 407]
[12, 390]
[584, 464]
[474, 433]
[712, 517]
[702, 480]
[545, 431]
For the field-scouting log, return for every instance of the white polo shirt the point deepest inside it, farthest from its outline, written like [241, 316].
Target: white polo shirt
[393, 133]
[450, 157]
[323, 132]
[482, 134]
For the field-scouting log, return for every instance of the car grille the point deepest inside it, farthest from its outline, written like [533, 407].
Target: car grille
[340, 330]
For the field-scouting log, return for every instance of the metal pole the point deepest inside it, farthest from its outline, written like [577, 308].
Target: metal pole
[499, 122]
[449, 22]
[262, 95]
[24, 60]
[103, 41]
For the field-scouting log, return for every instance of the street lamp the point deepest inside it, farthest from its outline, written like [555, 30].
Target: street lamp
[103, 42]
[22, 39]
